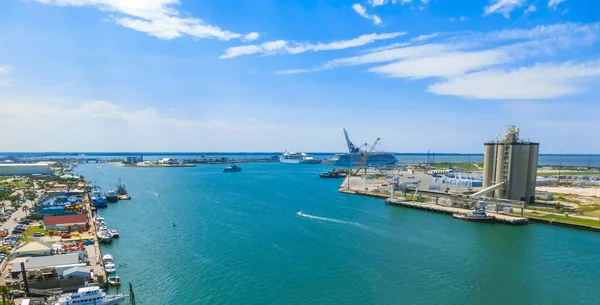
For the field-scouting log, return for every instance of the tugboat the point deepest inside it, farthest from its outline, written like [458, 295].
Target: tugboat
[478, 215]
[334, 173]
[232, 168]
[111, 195]
[122, 191]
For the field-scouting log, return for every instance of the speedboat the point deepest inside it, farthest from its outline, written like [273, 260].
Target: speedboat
[90, 296]
[300, 213]
[115, 233]
[114, 280]
[107, 259]
[478, 215]
[232, 168]
[110, 268]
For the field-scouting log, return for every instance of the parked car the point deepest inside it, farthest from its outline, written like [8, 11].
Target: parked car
[38, 234]
[65, 235]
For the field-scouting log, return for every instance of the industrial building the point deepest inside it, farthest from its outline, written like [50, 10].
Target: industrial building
[15, 169]
[510, 164]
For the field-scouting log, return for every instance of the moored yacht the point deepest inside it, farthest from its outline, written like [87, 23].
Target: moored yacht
[90, 296]
[104, 235]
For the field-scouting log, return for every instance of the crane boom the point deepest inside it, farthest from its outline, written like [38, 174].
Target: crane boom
[366, 155]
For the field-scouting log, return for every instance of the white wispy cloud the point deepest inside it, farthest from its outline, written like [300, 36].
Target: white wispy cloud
[4, 71]
[503, 7]
[293, 47]
[553, 4]
[540, 81]
[157, 18]
[530, 9]
[362, 11]
[377, 2]
[293, 71]
[457, 59]
[447, 65]
[388, 55]
[461, 18]
[425, 37]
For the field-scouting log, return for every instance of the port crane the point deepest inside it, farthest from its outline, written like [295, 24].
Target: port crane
[363, 163]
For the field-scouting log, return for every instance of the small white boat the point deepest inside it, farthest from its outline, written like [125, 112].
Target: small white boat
[104, 235]
[110, 268]
[114, 280]
[115, 233]
[107, 259]
[300, 213]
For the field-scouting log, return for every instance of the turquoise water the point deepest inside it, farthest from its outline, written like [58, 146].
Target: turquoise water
[238, 240]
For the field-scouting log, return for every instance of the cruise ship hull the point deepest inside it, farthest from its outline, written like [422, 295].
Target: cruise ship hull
[376, 160]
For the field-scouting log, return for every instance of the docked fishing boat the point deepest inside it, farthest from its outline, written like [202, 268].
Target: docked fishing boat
[232, 168]
[97, 199]
[114, 280]
[334, 173]
[104, 235]
[478, 215]
[122, 192]
[115, 233]
[90, 296]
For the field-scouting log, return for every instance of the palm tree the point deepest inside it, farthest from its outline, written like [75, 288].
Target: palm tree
[4, 290]
[2, 205]
[25, 209]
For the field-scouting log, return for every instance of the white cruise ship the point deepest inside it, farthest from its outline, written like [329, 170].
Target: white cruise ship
[292, 157]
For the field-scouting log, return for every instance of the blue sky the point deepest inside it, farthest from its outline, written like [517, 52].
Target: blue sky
[183, 75]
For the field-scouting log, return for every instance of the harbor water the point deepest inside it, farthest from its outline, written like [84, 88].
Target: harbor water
[200, 236]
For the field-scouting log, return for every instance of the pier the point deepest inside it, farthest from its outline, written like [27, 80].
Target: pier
[359, 186]
[502, 218]
[93, 251]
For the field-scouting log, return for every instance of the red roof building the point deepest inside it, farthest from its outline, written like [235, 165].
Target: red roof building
[66, 222]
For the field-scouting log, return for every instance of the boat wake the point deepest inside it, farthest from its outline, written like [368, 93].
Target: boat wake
[331, 220]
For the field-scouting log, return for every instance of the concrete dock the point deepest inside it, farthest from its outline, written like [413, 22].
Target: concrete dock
[502, 218]
[93, 251]
[377, 189]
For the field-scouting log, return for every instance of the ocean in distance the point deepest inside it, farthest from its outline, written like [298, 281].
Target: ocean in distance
[238, 240]
[403, 158]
